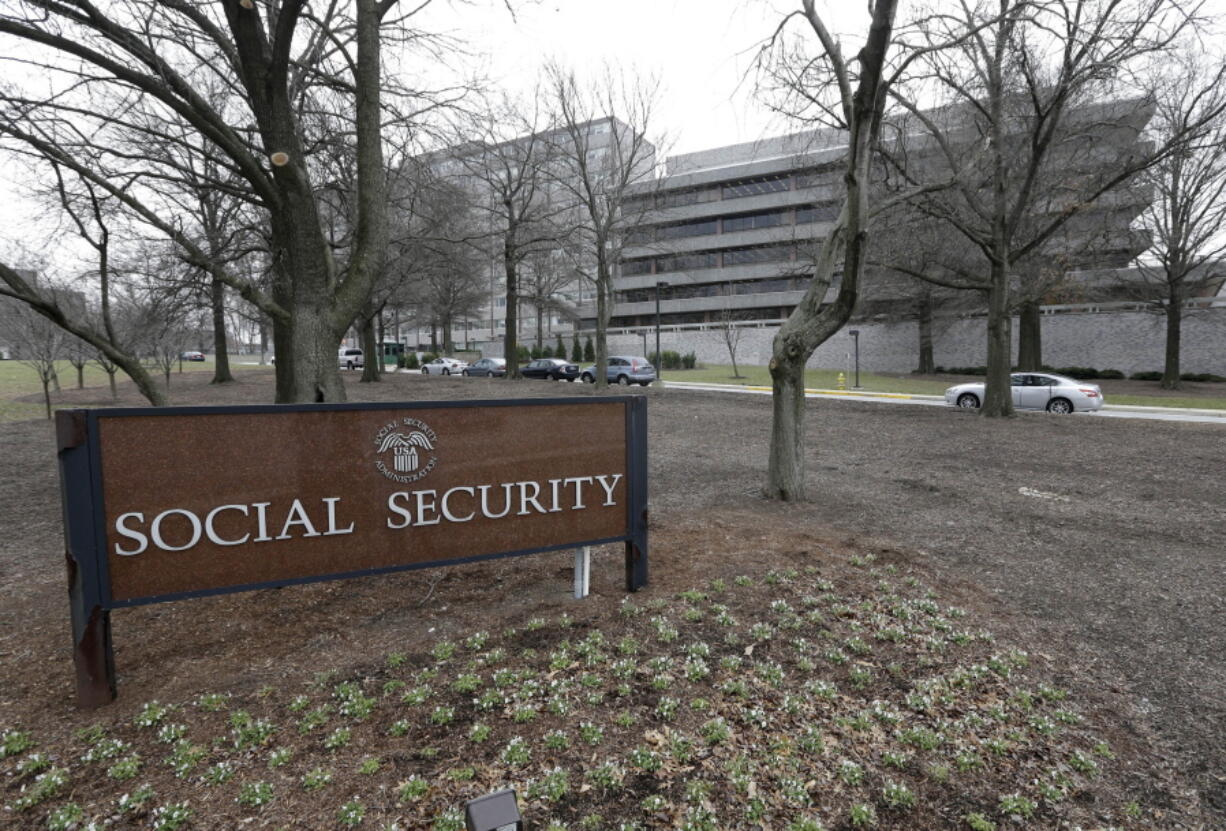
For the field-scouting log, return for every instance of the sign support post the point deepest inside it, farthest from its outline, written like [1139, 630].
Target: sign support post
[92, 655]
[583, 571]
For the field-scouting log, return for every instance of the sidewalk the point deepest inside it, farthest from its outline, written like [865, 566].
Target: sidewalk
[1140, 411]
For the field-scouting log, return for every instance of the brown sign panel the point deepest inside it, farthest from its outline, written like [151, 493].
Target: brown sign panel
[170, 503]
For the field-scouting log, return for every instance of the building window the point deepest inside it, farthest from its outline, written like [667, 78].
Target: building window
[687, 262]
[755, 187]
[821, 212]
[750, 221]
[826, 174]
[633, 268]
[688, 229]
[757, 254]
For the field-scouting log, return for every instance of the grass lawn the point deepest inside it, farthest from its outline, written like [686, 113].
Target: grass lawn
[828, 379]
[780, 699]
[17, 380]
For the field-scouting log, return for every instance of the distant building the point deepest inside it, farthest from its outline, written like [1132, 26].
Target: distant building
[730, 231]
[557, 314]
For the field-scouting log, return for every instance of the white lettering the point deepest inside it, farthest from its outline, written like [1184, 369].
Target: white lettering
[332, 529]
[261, 516]
[297, 516]
[609, 486]
[423, 506]
[578, 482]
[525, 500]
[155, 530]
[212, 534]
[555, 486]
[396, 509]
[447, 508]
[485, 503]
[124, 531]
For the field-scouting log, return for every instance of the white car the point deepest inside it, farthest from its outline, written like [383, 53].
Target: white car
[1035, 391]
[350, 358]
[444, 366]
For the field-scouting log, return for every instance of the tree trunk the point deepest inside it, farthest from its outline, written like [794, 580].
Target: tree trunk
[47, 394]
[55, 380]
[80, 376]
[263, 342]
[510, 340]
[448, 338]
[221, 352]
[603, 312]
[110, 373]
[1029, 336]
[1174, 333]
[998, 394]
[926, 365]
[372, 360]
[786, 477]
[540, 329]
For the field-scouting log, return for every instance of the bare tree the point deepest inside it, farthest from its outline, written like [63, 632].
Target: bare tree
[1187, 218]
[606, 162]
[38, 343]
[859, 100]
[730, 334]
[507, 164]
[145, 69]
[1030, 109]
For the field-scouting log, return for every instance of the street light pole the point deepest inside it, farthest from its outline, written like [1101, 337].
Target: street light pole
[855, 337]
[660, 284]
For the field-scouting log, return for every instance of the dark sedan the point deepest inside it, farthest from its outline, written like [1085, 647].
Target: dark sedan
[487, 368]
[554, 369]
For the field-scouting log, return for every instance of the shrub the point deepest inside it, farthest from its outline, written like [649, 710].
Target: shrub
[576, 351]
[1084, 373]
[589, 351]
[411, 362]
[1146, 376]
[559, 351]
[428, 357]
[1110, 374]
[1202, 377]
[523, 353]
[965, 370]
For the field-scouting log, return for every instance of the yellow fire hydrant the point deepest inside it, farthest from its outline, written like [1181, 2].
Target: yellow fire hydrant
[842, 382]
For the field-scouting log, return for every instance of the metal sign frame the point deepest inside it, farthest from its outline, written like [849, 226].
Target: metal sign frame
[81, 490]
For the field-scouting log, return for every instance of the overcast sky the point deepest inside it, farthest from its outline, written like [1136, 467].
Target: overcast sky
[699, 49]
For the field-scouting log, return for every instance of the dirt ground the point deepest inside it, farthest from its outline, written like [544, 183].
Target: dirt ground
[1095, 542]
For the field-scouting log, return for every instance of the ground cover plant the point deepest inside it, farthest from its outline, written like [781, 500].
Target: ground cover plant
[843, 695]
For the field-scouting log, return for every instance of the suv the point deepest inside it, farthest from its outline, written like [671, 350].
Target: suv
[624, 370]
[350, 358]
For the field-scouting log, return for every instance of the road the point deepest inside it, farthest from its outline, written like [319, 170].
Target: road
[1108, 411]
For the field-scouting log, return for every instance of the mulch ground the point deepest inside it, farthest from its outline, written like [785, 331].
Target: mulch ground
[1111, 574]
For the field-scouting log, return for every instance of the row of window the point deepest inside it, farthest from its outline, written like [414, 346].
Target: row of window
[820, 212]
[739, 188]
[769, 313]
[697, 260]
[725, 289]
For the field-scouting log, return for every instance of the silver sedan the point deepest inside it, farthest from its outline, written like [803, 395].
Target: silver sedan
[1035, 391]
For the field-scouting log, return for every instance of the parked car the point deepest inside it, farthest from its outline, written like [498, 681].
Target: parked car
[624, 370]
[192, 356]
[350, 358]
[444, 366]
[1035, 391]
[487, 368]
[553, 369]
